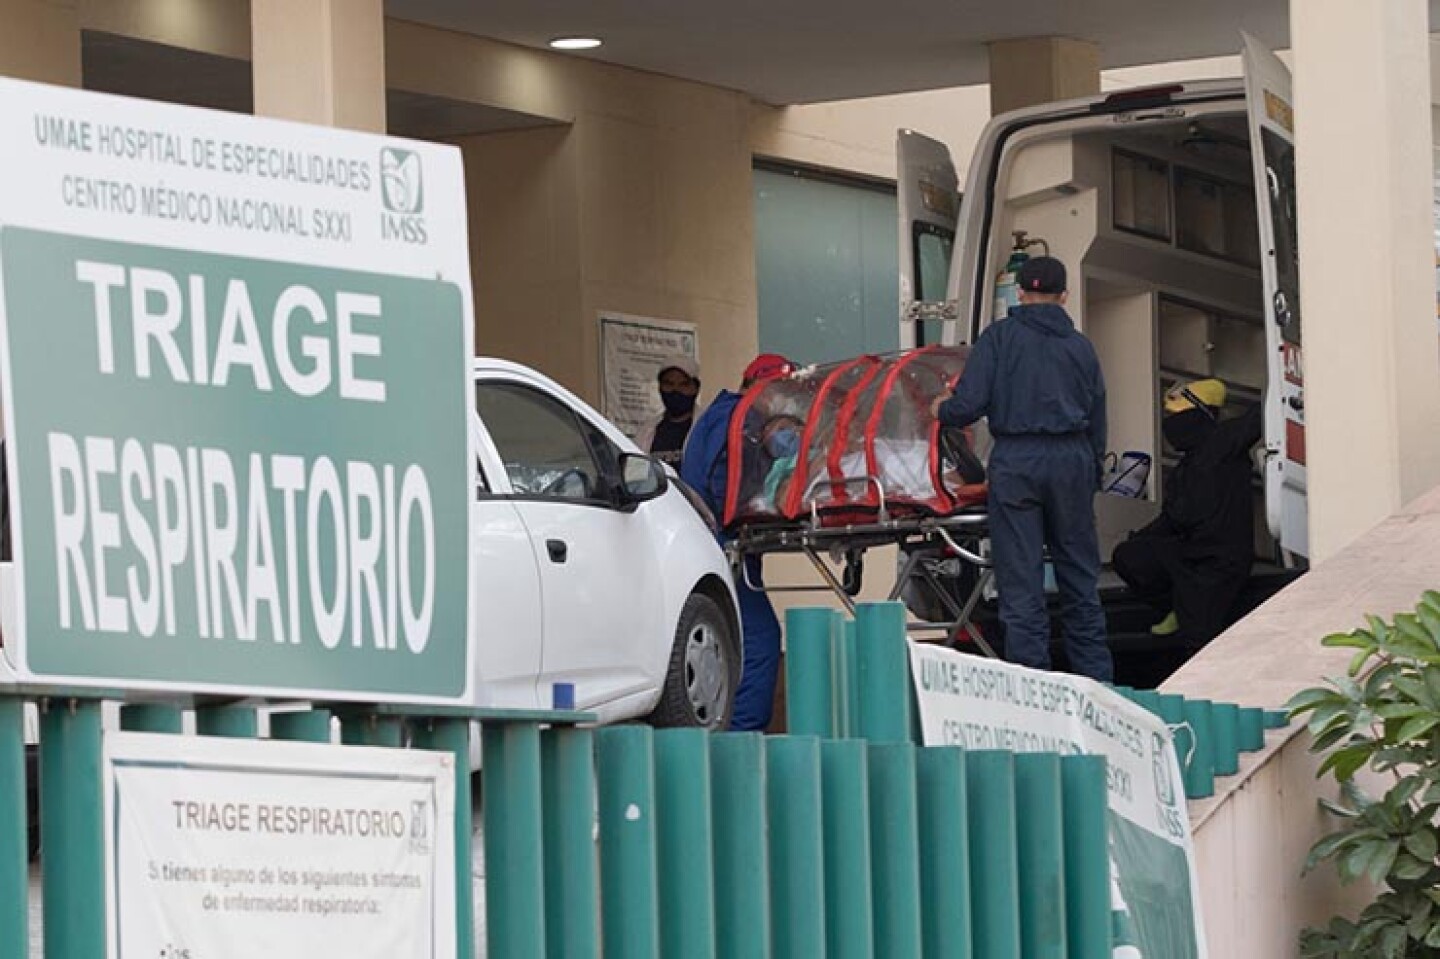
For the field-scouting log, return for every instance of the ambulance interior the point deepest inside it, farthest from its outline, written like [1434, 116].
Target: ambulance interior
[1156, 222]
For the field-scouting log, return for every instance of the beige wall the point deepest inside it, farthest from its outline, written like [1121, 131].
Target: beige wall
[642, 202]
[41, 40]
[220, 27]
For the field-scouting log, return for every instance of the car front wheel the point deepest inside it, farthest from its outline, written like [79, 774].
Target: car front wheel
[704, 668]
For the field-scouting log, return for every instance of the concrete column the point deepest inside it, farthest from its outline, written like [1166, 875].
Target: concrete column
[1367, 290]
[40, 40]
[320, 61]
[1041, 70]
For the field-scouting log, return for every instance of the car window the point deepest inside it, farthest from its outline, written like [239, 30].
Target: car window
[541, 442]
[482, 485]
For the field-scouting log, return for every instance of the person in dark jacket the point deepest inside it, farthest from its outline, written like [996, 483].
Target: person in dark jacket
[1038, 381]
[1193, 560]
[705, 468]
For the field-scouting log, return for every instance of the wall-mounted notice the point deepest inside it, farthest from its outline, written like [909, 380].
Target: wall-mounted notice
[632, 351]
[235, 365]
[231, 849]
[982, 703]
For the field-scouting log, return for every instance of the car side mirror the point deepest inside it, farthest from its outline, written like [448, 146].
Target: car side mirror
[641, 478]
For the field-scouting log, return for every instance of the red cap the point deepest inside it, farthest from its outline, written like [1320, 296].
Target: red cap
[767, 366]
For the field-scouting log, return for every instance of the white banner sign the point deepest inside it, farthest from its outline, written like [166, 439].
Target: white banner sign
[633, 350]
[980, 703]
[243, 848]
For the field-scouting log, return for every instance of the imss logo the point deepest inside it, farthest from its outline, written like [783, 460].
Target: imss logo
[402, 191]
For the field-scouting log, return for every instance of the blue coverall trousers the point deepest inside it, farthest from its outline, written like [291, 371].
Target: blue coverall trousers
[755, 698]
[1042, 493]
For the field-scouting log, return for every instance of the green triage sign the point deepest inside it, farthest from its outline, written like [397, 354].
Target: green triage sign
[236, 472]
[235, 376]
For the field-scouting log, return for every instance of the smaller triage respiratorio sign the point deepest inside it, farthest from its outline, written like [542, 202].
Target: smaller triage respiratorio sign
[255, 848]
[980, 703]
[236, 389]
[633, 350]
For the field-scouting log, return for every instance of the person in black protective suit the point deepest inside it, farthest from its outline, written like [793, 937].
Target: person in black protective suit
[1038, 381]
[1193, 560]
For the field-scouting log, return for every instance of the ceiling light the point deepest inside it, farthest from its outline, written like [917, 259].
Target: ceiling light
[575, 43]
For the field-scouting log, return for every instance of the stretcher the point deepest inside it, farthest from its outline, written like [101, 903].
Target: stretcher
[942, 574]
[833, 461]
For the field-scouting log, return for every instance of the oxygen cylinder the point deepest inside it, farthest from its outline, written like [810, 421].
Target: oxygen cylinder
[1007, 284]
[1007, 288]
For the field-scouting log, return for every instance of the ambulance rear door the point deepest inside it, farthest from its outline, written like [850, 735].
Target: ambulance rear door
[1272, 136]
[929, 205]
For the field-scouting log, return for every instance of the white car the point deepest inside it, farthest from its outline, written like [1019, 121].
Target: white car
[594, 566]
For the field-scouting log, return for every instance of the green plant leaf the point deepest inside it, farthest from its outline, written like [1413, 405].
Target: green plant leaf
[1355, 640]
[1346, 762]
[1410, 627]
[1392, 942]
[1358, 661]
[1417, 727]
[1419, 923]
[1399, 710]
[1308, 699]
[1331, 806]
[1423, 845]
[1409, 869]
[1328, 848]
[1382, 857]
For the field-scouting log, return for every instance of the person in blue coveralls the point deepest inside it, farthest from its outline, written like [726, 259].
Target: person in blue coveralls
[1037, 379]
[704, 467]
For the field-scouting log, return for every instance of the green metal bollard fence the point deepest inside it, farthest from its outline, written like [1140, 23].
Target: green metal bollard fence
[847, 679]
[686, 858]
[1200, 770]
[994, 870]
[231, 722]
[1171, 708]
[742, 861]
[152, 718]
[1087, 857]
[845, 796]
[1041, 855]
[629, 886]
[883, 663]
[1225, 725]
[1276, 719]
[567, 787]
[368, 729]
[453, 736]
[1172, 713]
[797, 862]
[810, 672]
[944, 852]
[309, 726]
[14, 848]
[1147, 699]
[71, 830]
[514, 862]
[895, 850]
[1252, 729]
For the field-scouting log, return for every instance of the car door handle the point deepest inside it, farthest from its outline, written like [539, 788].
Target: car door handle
[558, 549]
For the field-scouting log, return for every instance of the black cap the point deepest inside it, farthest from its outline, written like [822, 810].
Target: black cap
[1042, 274]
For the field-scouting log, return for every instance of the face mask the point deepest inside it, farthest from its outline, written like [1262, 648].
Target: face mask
[783, 443]
[1187, 429]
[677, 404]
